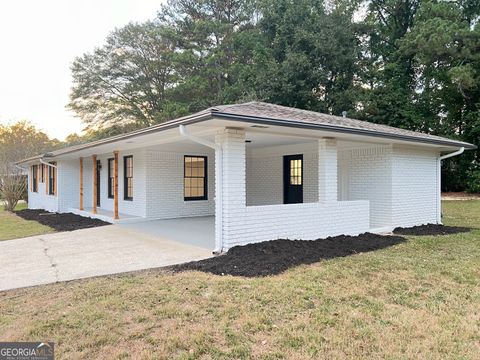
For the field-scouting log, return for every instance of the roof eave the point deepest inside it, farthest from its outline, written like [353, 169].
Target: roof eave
[340, 129]
[213, 113]
[161, 127]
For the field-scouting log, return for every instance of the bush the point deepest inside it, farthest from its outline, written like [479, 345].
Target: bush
[473, 181]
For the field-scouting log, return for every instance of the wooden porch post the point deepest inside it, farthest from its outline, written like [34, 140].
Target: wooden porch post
[81, 184]
[94, 191]
[115, 184]
[47, 180]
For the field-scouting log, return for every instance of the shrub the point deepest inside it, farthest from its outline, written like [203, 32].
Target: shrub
[473, 181]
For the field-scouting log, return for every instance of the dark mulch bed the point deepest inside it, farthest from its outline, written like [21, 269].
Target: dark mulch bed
[430, 229]
[274, 257]
[60, 222]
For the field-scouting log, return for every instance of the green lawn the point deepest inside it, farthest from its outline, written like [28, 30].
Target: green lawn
[419, 299]
[12, 227]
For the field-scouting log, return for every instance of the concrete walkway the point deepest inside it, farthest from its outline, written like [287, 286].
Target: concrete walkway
[84, 253]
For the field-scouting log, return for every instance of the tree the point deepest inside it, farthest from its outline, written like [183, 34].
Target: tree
[127, 80]
[412, 64]
[18, 141]
[217, 40]
[182, 62]
[315, 51]
[389, 76]
[444, 44]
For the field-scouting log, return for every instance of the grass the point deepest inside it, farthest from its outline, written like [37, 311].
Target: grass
[418, 299]
[12, 226]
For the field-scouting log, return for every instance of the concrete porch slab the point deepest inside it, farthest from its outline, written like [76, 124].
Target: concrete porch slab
[107, 216]
[197, 231]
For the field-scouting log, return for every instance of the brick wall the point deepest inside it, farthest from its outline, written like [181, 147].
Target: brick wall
[414, 185]
[68, 184]
[365, 173]
[308, 221]
[164, 186]
[40, 200]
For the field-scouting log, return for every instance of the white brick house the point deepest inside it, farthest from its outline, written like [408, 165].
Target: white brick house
[258, 172]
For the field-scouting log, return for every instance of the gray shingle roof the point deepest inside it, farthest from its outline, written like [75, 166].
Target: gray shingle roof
[305, 117]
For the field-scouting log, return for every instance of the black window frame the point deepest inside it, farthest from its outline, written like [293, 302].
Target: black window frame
[35, 178]
[110, 164]
[205, 178]
[52, 175]
[125, 178]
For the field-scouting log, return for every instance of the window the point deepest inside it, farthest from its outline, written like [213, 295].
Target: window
[128, 177]
[34, 178]
[52, 179]
[110, 179]
[296, 172]
[195, 178]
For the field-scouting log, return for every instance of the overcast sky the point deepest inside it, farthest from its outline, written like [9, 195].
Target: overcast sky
[39, 40]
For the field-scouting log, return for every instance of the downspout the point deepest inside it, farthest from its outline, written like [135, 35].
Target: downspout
[219, 183]
[458, 152]
[439, 181]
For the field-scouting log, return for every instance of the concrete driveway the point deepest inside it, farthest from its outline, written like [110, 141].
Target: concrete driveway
[84, 253]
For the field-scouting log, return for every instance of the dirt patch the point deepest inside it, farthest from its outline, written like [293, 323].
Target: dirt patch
[460, 196]
[274, 257]
[430, 229]
[60, 222]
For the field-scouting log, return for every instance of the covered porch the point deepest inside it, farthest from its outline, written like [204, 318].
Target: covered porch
[197, 231]
[259, 184]
[286, 186]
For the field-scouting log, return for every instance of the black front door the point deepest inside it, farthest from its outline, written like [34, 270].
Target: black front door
[99, 166]
[292, 179]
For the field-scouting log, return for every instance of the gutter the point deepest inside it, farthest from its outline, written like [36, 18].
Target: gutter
[191, 119]
[439, 180]
[458, 152]
[21, 168]
[218, 186]
[46, 163]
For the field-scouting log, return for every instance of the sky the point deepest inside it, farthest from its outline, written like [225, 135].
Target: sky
[39, 39]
